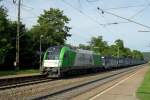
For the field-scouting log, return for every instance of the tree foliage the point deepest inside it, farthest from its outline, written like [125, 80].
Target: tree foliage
[98, 45]
[52, 25]
[85, 47]
[137, 54]
[119, 43]
[5, 44]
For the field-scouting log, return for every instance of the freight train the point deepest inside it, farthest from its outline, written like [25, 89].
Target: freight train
[60, 60]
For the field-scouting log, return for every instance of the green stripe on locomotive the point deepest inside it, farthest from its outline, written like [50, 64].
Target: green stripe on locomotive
[97, 59]
[45, 55]
[67, 57]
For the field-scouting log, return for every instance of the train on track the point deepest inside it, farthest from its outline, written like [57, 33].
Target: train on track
[61, 60]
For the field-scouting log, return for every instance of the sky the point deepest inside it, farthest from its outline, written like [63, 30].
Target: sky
[86, 21]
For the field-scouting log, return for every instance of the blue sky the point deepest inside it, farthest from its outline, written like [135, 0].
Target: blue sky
[86, 19]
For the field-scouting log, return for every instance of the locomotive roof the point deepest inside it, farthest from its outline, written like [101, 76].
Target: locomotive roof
[84, 51]
[75, 49]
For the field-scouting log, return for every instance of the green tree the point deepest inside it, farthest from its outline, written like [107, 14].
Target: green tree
[8, 30]
[52, 25]
[127, 52]
[113, 50]
[85, 47]
[26, 52]
[98, 45]
[5, 45]
[137, 54]
[120, 49]
[119, 43]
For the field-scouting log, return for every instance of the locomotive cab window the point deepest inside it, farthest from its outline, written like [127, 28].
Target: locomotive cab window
[53, 53]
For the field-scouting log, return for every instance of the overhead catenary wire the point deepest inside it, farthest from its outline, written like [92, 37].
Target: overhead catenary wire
[130, 20]
[133, 16]
[107, 24]
[92, 0]
[143, 31]
[34, 15]
[31, 8]
[140, 11]
[25, 8]
[132, 6]
[124, 7]
[89, 17]
[103, 25]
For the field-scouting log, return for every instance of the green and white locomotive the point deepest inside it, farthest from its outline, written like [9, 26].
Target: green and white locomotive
[59, 60]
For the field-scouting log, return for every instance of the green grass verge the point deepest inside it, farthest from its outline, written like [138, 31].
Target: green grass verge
[143, 92]
[30, 71]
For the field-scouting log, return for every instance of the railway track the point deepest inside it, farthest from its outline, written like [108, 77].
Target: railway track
[8, 83]
[72, 90]
[63, 88]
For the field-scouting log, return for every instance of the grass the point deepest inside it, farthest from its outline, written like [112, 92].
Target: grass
[30, 71]
[143, 92]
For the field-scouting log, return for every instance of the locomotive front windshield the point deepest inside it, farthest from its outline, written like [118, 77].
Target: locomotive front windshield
[53, 53]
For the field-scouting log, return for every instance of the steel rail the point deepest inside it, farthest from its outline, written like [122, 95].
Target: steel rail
[8, 83]
[69, 88]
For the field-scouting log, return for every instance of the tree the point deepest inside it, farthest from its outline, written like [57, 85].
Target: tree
[120, 49]
[127, 52]
[98, 45]
[113, 50]
[85, 47]
[4, 38]
[8, 30]
[26, 52]
[119, 43]
[137, 54]
[52, 25]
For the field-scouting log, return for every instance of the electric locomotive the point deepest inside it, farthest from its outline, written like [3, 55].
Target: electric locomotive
[59, 60]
